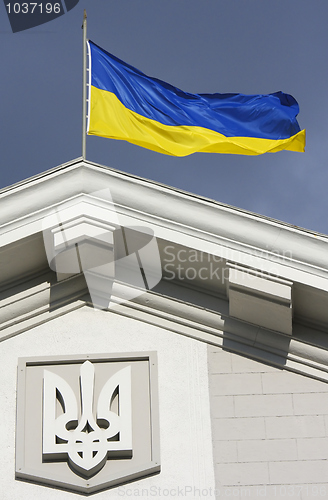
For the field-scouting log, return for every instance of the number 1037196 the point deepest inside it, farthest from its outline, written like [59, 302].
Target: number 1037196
[34, 8]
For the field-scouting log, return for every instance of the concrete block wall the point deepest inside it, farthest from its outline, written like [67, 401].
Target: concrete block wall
[270, 430]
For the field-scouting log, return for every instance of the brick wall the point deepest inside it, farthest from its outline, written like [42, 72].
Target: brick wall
[270, 430]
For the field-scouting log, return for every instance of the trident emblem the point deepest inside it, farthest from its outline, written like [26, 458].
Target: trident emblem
[74, 432]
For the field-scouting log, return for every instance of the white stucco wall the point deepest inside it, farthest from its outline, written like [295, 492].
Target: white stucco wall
[185, 427]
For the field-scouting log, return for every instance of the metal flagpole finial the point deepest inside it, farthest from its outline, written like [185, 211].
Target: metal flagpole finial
[84, 90]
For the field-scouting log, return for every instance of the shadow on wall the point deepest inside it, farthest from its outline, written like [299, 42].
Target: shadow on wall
[255, 342]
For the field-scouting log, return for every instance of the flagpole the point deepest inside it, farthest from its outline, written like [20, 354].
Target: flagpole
[84, 91]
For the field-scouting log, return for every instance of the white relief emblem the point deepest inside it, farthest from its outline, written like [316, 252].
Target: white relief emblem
[87, 433]
[86, 423]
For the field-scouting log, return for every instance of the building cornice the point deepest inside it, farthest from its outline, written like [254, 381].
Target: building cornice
[231, 233]
[290, 264]
[42, 302]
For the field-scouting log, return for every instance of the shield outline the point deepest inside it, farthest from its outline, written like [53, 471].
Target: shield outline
[28, 472]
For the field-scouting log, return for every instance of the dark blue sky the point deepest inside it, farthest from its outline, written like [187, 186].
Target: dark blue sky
[200, 46]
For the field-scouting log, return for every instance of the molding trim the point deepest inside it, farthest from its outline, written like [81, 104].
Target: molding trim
[242, 236]
[268, 346]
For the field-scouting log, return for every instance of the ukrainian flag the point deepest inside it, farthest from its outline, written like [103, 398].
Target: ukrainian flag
[126, 104]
